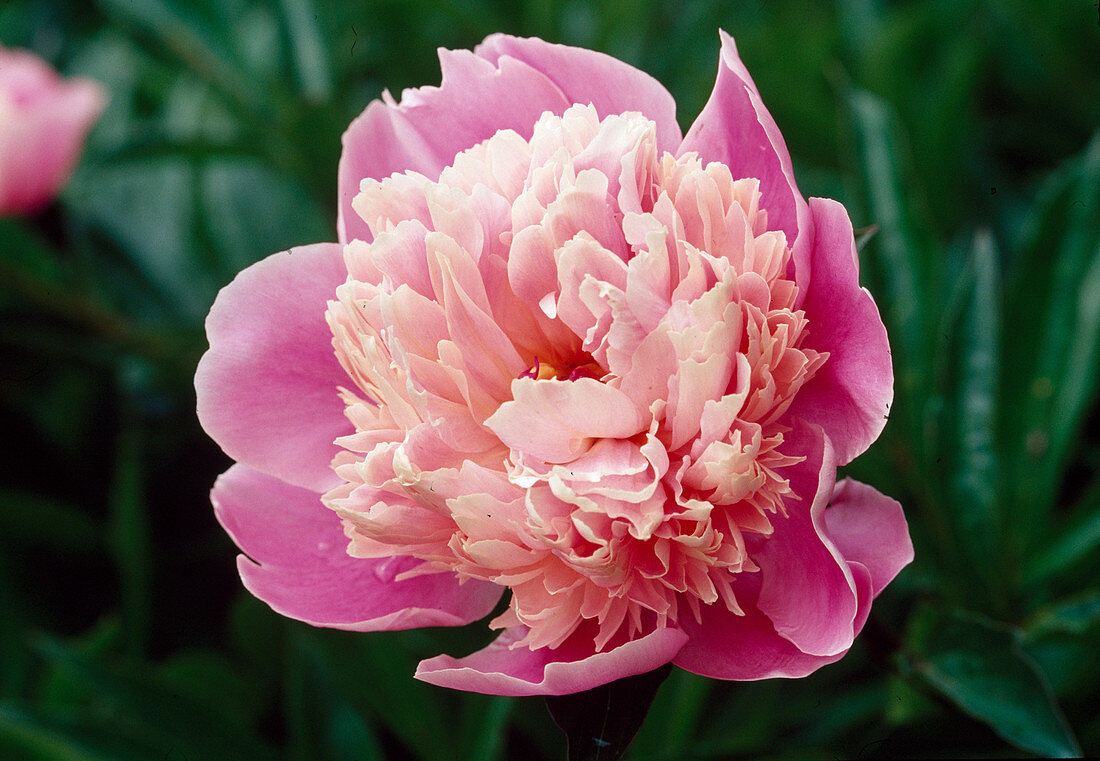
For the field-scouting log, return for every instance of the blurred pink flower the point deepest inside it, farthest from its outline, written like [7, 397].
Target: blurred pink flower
[43, 122]
[564, 352]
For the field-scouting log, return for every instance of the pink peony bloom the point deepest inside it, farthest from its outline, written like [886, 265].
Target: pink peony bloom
[563, 352]
[43, 122]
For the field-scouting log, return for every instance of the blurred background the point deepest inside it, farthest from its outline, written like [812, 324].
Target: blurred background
[966, 130]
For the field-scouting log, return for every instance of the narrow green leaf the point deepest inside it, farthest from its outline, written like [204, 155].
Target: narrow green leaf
[979, 666]
[1073, 616]
[1076, 543]
[179, 35]
[417, 714]
[899, 250]
[24, 737]
[1057, 295]
[308, 49]
[1081, 370]
[485, 726]
[865, 235]
[252, 212]
[37, 520]
[129, 533]
[13, 625]
[126, 704]
[972, 418]
[600, 723]
[674, 717]
[322, 721]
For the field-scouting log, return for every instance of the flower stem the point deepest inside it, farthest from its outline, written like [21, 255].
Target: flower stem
[600, 723]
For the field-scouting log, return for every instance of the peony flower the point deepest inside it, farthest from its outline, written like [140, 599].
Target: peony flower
[569, 365]
[43, 122]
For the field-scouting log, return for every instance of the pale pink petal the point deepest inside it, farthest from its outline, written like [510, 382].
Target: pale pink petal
[267, 387]
[586, 76]
[806, 587]
[851, 394]
[297, 563]
[736, 129]
[489, 358]
[574, 667]
[579, 259]
[556, 421]
[869, 528]
[433, 124]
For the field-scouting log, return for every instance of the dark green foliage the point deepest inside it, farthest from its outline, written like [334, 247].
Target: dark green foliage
[965, 131]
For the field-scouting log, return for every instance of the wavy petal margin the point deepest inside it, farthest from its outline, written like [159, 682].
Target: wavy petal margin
[806, 587]
[522, 78]
[819, 572]
[850, 396]
[747, 647]
[588, 76]
[499, 669]
[431, 125]
[736, 129]
[298, 564]
[869, 528]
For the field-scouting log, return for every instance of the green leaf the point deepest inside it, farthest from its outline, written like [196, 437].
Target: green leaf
[308, 49]
[600, 723]
[252, 212]
[1053, 366]
[322, 721]
[865, 235]
[129, 534]
[1073, 616]
[124, 709]
[674, 716]
[979, 666]
[484, 726]
[147, 209]
[177, 33]
[208, 677]
[24, 736]
[1063, 637]
[36, 520]
[419, 715]
[13, 625]
[1074, 546]
[898, 251]
[970, 421]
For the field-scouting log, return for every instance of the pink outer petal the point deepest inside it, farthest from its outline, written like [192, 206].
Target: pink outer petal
[299, 565]
[586, 76]
[573, 667]
[869, 528]
[851, 394]
[806, 588]
[743, 648]
[432, 125]
[267, 387]
[735, 129]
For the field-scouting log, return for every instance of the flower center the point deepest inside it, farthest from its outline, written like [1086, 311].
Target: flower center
[569, 371]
